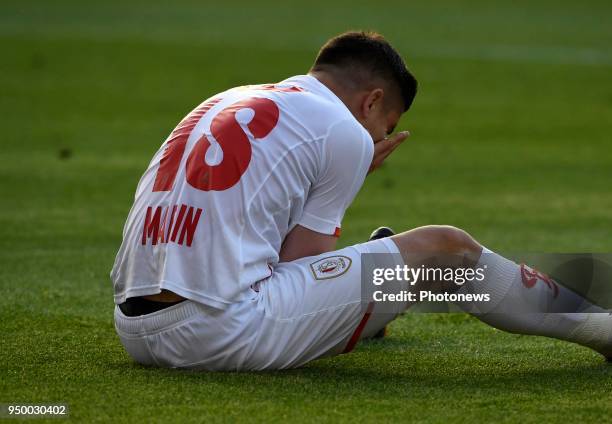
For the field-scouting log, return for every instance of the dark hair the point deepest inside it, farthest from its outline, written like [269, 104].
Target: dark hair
[370, 52]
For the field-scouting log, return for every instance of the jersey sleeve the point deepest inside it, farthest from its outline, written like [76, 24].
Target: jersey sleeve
[346, 157]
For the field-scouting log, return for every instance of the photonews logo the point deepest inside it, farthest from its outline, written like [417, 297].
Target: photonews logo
[330, 267]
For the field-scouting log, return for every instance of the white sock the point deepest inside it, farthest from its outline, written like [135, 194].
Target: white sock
[527, 302]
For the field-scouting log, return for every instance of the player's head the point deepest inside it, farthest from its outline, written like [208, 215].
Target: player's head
[368, 74]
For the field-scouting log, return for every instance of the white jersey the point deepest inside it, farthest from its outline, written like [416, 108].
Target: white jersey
[230, 182]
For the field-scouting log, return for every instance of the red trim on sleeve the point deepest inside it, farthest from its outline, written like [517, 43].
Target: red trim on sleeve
[337, 232]
[355, 337]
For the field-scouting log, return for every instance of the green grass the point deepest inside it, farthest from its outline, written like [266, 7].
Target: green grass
[511, 141]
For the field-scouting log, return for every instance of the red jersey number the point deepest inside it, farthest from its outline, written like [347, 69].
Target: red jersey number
[232, 139]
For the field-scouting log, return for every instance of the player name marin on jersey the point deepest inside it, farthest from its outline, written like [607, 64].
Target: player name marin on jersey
[167, 223]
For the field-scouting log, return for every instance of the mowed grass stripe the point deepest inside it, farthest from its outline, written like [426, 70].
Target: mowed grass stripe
[510, 140]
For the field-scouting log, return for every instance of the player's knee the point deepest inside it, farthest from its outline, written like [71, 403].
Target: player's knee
[438, 239]
[454, 240]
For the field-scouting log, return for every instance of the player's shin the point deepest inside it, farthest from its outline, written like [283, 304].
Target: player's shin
[525, 301]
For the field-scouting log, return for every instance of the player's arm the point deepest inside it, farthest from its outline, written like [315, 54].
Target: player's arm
[302, 242]
[346, 156]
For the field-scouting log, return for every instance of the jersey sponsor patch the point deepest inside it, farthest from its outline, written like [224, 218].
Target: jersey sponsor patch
[330, 267]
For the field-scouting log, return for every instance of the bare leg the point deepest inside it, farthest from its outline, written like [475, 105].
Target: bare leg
[536, 309]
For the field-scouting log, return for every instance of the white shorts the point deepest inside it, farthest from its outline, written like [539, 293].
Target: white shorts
[307, 309]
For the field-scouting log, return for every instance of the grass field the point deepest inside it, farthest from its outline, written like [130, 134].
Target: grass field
[511, 141]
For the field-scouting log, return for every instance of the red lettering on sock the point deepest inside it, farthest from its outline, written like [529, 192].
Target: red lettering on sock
[531, 276]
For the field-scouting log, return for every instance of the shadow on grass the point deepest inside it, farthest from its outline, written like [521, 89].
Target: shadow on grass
[398, 374]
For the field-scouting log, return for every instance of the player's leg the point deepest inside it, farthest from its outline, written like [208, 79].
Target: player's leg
[377, 234]
[314, 307]
[538, 307]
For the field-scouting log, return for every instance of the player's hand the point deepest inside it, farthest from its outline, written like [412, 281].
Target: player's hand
[384, 147]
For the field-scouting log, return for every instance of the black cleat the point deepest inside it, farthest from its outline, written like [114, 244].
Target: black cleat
[381, 333]
[381, 232]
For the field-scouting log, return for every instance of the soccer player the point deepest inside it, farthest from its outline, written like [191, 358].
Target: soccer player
[228, 259]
